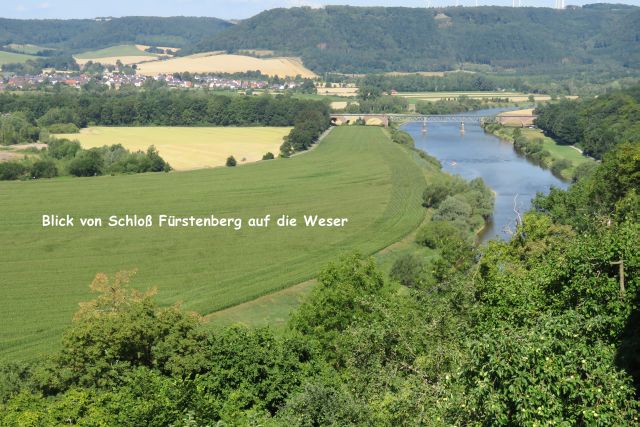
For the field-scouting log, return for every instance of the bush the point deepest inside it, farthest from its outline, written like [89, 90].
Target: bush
[268, 156]
[63, 148]
[453, 209]
[231, 161]
[435, 233]
[10, 171]
[435, 194]
[559, 165]
[407, 270]
[584, 170]
[63, 128]
[88, 163]
[44, 169]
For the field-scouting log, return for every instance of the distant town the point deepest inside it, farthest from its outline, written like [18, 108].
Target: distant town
[116, 80]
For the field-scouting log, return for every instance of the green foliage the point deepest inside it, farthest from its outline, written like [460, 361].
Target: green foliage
[268, 156]
[337, 300]
[63, 128]
[436, 193]
[231, 161]
[596, 124]
[63, 148]
[339, 38]
[44, 169]
[407, 270]
[15, 128]
[435, 234]
[11, 171]
[87, 163]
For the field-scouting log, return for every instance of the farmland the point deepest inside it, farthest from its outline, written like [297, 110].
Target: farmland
[127, 54]
[189, 148]
[354, 173]
[216, 62]
[12, 58]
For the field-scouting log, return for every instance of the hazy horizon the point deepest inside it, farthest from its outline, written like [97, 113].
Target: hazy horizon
[234, 9]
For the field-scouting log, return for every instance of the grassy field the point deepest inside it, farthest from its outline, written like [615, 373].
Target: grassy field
[216, 62]
[356, 172]
[29, 49]
[13, 58]
[189, 148]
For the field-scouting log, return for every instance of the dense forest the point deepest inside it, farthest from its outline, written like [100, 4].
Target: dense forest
[596, 124]
[161, 107]
[539, 330]
[76, 35]
[359, 40]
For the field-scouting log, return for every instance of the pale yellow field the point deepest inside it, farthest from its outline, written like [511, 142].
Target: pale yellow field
[338, 91]
[436, 96]
[517, 117]
[223, 63]
[187, 148]
[126, 60]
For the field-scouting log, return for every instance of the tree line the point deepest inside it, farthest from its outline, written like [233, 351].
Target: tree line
[597, 124]
[161, 107]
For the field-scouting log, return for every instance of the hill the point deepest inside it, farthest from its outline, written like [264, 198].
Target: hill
[376, 39]
[356, 172]
[82, 34]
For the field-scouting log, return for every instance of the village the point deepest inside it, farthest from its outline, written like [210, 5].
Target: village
[116, 80]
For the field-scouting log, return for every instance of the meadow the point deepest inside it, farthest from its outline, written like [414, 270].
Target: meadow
[13, 58]
[356, 172]
[217, 62]
[189, 148]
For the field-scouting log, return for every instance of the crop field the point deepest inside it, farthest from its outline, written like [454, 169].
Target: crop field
[126, 53]
[189, 148]
[355, 173]
[216, 62]
[13, 58]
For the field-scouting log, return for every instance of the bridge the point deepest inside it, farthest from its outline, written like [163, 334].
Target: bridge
[385, 119]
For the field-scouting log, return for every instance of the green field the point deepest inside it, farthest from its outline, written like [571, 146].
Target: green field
[356, 172]
[29, 49]
[113, 51]
[13, 58]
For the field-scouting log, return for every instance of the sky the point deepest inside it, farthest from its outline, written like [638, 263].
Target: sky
[225, 9]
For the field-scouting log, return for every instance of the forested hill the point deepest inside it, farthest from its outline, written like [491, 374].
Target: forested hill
[373, 39]
[79, 34]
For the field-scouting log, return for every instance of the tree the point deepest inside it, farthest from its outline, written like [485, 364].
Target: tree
[44, 169]
[231, 161]
[268, 156]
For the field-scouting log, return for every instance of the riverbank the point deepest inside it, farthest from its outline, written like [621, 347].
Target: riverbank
[562, 160]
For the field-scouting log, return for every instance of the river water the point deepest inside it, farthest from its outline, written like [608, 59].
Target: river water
[475, 153]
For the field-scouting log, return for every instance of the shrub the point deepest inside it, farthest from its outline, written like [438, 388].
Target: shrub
[584, 170]
[63, 148]
[407, 270]
[434, 194]
[268, 156]
[10, 171]
[88, 163]
[231, 161]
[559, 165]
[453, 209]
[435, 233]
[44, 169]
[63, 128]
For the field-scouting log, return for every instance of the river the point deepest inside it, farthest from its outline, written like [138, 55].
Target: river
[478, 154]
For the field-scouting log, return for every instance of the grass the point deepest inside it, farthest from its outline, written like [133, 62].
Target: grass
[557, 151]
[356, 172]
[216, 62]
[29, 49]
[189, 148]
[113, 51]
[14, 58]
